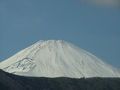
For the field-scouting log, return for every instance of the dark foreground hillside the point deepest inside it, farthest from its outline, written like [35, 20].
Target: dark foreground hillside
[14, 82]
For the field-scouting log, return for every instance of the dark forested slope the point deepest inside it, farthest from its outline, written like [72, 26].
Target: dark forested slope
[14, 82]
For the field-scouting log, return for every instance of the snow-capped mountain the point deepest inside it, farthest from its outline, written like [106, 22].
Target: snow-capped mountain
[57, 58]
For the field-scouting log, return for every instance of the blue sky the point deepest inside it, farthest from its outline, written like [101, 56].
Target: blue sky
[93, 28]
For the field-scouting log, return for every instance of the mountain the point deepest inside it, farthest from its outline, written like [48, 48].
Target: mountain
[57, 58]
[14, 82]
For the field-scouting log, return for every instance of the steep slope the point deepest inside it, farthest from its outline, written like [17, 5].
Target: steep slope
[57, 59]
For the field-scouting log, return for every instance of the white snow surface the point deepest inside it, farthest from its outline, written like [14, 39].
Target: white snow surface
[57, 58]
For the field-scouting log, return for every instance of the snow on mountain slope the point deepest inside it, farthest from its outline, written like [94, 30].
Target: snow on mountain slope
[57, 58]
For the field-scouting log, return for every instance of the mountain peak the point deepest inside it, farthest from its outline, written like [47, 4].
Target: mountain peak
[57, 58]
[51, 41]
[48, 42]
